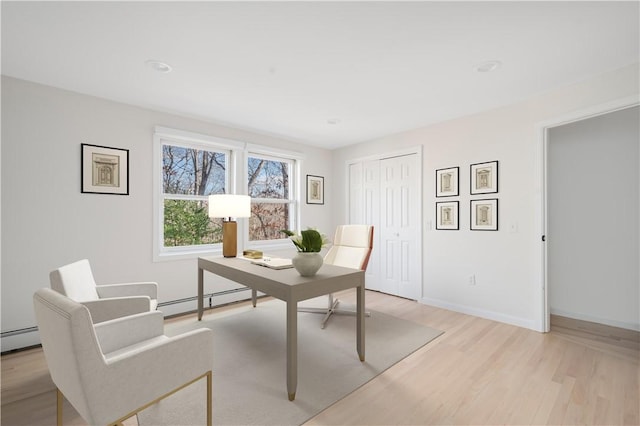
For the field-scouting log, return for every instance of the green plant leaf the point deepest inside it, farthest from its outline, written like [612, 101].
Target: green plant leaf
[311, 240]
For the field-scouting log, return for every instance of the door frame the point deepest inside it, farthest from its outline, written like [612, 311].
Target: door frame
[543, 322]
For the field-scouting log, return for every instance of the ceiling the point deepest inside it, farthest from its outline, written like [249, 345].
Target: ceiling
[328, 74]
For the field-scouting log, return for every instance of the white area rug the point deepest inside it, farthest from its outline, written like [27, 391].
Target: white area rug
[249, 376]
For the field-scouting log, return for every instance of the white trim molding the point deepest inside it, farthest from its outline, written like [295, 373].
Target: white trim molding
[543, 315]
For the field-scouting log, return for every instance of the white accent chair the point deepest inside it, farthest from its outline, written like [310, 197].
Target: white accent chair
[352, 246]
[105, 302]
[112, 370]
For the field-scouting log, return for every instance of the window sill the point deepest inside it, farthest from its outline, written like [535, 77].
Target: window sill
[185, 254]
[282, 248]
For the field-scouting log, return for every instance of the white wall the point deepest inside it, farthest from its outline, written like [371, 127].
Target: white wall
[507, 263]
[47, 222]
[594, 220]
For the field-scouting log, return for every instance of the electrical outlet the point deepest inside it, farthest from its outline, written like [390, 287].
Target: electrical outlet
[472, 280]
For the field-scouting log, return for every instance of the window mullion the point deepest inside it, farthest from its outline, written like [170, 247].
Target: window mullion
[185, 197]
[272, 200]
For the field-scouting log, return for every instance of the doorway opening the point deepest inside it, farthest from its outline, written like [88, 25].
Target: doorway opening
[589, 237]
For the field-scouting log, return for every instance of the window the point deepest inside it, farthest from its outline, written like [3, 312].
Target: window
[188, 167]
[189, 176]
[273, 204]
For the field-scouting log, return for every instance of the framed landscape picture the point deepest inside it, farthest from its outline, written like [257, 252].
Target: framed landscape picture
[484, 178]
[315, 189]
[484, 215]
[447, 181]
[447, 215]
[104, 170]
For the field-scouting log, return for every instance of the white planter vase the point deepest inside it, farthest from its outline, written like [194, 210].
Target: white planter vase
[307, 264]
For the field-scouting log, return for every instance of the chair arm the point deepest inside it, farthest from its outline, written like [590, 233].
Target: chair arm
[116, 307]
[128, 289]
[122, 332]
[128, 381]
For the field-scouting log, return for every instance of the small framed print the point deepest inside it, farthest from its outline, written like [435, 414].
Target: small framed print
[104, 170]
[484, 178]
[484, 215]
[447, 215]
[315, 189]
[447, 181]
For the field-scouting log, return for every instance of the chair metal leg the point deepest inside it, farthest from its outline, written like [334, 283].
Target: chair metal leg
[209, 399]
[332, 308]
[208, 375]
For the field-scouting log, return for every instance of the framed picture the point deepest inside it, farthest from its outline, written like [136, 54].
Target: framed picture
[315, 189]
[447, 215]
[484, 178]
[484, 215]
[104, 170]
[447, 181]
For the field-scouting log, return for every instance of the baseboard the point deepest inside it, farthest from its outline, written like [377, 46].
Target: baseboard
[24, 338]
[594, 319]
[617, 336]
[491, 315]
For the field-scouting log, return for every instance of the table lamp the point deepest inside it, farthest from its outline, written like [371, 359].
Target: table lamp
[229, 206]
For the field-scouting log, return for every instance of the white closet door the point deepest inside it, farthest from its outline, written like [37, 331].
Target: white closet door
[356, 193]
[364, 208]
[399, 230]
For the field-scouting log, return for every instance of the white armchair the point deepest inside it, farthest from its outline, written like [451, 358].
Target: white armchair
[105, 302]
[352, 246]
[112, 370]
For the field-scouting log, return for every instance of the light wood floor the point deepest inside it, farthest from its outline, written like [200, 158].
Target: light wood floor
[478, 372]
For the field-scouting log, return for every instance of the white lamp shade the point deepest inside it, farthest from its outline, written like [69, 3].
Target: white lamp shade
[229, 205]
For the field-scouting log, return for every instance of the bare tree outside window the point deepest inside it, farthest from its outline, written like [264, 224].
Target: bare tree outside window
[191, 172]
[189, 177]
[269, 187]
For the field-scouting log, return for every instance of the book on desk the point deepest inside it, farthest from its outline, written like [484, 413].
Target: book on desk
[273, 262]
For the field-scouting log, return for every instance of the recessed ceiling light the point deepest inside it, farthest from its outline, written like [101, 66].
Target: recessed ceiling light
[488, 66]
[159, 66]
[333, 121]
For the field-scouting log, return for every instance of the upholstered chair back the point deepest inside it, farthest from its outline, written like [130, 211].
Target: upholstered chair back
[352, 245]
[75, 280]
[112, 370]
[69, 343]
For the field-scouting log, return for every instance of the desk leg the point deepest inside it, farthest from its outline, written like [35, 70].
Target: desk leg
[292, 349]
[200, 293]
[254, 297]
[360, 321]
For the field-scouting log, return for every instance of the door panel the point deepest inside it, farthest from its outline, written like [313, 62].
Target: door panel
[400, 230]
[386, 194]
[364, 202]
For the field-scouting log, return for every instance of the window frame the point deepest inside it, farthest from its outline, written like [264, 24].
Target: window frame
[293, 201]
[237, 183]
[165, 136]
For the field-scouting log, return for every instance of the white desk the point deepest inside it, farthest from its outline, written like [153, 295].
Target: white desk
[289, 286]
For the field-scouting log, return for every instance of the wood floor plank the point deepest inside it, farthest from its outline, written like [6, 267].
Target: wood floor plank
[478, 372]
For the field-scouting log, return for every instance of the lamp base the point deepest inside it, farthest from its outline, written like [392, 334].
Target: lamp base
[229, 238]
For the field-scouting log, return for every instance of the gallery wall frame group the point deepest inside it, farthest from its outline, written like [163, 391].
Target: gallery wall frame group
[483, 212]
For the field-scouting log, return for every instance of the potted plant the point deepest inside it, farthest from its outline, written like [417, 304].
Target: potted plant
[308, 244]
